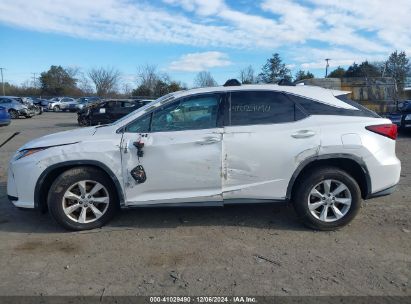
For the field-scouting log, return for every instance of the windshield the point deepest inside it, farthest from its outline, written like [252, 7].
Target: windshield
[164, 98]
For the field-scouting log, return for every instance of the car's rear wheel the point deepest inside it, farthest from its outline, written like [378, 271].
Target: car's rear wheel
[14, 114]
[82, 198]
[327, 199]
[56, 108]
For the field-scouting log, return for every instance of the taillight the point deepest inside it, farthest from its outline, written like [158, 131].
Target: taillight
[388, 130]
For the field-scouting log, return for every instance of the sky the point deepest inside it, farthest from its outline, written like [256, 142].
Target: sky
[183, 37]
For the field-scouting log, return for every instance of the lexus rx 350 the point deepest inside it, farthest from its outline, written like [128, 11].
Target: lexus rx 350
[310, 146]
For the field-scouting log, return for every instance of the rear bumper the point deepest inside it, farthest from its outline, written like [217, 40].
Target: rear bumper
[384, 192]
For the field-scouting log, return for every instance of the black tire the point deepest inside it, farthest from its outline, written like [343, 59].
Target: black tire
[82, 122]
[65, 181]
[309, 181]
[13, 114]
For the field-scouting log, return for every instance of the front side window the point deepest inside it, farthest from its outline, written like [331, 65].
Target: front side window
[192, 113]
[140, 125]
[260, 107]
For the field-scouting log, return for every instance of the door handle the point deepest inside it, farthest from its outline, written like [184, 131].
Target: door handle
[303, 134]
[208, 140]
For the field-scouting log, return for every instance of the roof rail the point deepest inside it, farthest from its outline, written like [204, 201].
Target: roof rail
[232, 83]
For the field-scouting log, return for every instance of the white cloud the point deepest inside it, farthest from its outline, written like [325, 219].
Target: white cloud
[196, 62]
[201, 7]
[366, 28]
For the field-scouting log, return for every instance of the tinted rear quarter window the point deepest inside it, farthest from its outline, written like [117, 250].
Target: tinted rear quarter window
[261, 107]
[313, 107]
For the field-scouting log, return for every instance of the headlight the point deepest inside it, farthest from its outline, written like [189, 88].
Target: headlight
[27, 152]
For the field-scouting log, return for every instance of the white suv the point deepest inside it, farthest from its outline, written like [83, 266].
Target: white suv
[60, 103]
[215, 146]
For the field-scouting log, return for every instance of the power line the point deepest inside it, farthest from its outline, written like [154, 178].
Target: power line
[2, 81]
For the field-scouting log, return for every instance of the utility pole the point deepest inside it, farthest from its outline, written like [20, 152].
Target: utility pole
[34, 80]
[2, 81]
[326, 66]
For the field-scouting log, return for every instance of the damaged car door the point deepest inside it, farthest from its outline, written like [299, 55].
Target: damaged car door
[266, 138]
[174, 153]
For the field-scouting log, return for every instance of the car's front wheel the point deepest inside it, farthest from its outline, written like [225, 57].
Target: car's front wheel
[327, 199]
[13, 114]
[82, 198]
[56, 108]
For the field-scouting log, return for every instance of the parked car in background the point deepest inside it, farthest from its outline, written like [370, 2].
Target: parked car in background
[33, 103]
[40, 102]
[86, 101]
[215, 146]
[402, 117]
[4, 117]
[15, 107]
[109, 111]
[60, 103]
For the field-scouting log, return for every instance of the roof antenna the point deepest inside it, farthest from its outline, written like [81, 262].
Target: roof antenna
[232, 83]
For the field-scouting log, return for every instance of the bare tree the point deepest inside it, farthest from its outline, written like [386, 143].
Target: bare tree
[84, 84]
[105, 80]
[153, 83]
[204, 79]
[247, 75]
[73, 71]
[126, 88]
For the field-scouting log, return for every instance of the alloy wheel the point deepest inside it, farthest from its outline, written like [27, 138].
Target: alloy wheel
[85, 201]
[329, 200]
[14, 114]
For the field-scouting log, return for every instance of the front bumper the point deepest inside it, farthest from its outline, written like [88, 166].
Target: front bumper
[26, 112]
[24, 199]
[5, 122]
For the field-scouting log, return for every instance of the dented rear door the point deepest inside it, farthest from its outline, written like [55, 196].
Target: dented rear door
[263, 144]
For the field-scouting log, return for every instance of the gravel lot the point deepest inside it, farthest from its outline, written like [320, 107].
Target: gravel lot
[238, 250]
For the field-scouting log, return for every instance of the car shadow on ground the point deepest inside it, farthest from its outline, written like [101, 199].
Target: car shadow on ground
[266, 216]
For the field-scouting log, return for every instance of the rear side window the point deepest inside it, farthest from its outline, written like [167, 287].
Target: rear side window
[313, 107]
[261, 107]
[357, 105]
[127, 104]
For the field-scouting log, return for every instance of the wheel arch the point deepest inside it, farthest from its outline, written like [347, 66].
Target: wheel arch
[352, 164]
[47, 177]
